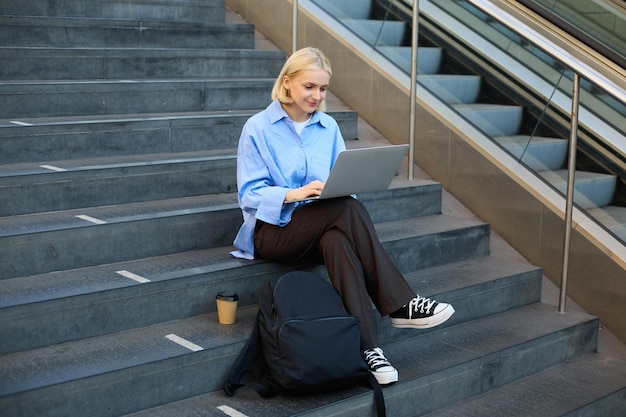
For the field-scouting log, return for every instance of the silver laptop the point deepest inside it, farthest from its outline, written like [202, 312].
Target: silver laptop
[362, 170]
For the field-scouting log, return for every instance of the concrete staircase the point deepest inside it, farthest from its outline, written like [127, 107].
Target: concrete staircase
[118, 127]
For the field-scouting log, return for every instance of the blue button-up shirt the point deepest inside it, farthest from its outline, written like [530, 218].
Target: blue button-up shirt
[272, 159]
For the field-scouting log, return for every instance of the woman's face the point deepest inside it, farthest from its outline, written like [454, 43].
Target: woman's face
[307, 89]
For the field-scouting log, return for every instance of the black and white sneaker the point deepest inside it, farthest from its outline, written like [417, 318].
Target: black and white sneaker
[380, 367]
[421, 313]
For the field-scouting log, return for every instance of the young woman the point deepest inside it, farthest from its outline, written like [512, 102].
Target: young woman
[285, 153]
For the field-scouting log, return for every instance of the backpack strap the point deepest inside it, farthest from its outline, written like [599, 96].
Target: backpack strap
[379, 398]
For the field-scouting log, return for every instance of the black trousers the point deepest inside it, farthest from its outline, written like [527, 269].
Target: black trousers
[340, 234]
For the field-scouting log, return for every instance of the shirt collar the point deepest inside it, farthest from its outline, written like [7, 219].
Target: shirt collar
[276, 112]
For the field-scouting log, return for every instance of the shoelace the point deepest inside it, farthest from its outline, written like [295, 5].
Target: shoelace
[375, 358]
[421, 304]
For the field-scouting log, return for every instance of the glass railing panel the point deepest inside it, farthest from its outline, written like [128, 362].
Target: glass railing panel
[544, 88]
[602, 105]
[601, 161]
[604, 20]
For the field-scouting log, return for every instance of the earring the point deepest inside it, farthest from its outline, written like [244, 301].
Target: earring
[288, 92]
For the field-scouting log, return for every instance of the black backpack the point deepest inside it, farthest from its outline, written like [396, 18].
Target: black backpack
[302, 342]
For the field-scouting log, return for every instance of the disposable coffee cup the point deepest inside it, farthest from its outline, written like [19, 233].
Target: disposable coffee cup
[226, 307]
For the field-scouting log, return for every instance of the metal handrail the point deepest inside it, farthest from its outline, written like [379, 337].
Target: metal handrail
[294, 30]
[572, 29]
[569, 205]
[413, 90]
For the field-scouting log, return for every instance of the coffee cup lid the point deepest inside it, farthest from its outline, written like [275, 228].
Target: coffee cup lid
[227, 296]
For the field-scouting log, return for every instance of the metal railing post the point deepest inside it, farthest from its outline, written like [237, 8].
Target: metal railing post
[569, 207]
[413, 90]
[294, 29]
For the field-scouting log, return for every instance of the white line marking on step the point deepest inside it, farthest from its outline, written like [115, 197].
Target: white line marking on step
[132, 276]
[230, 411]
[91, 219]
[184, 343]
[17, 122]
[52, 168]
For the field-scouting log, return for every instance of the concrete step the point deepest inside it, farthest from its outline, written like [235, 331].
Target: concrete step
[67, 185]
[46, 242]
[62, 32]
[493, 119]
[162, 10]
[591, 189]
[48, 140]
[136, 63]
[81, 183]
[428, 58]
[378, 32]
[75, 98]
[78, 242]
[446, 365]
[592, 385]
[477, 288]
[453, 89]
[36, 187]
[538, 153]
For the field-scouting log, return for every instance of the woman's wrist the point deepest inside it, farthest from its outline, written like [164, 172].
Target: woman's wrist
[289, 196]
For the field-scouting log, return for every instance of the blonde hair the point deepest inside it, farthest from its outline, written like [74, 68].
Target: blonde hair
[303, 59]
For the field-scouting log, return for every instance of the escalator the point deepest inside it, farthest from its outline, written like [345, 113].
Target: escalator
[510, 90]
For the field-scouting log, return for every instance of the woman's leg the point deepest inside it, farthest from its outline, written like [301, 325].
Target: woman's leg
[384, 282]
[346, 274]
